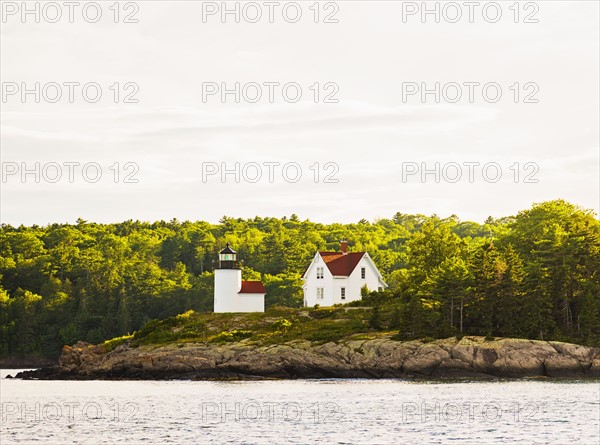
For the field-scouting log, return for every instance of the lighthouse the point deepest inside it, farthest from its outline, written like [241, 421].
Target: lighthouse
[232, 294]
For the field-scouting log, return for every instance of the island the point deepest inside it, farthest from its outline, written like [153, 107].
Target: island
[316, 343]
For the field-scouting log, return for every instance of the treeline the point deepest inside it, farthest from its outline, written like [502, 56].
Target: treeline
[535, 275]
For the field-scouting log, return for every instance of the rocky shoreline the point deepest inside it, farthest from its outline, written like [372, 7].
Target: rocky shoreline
[470, 357]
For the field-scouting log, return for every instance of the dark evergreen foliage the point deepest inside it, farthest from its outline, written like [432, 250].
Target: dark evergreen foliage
[535, 275]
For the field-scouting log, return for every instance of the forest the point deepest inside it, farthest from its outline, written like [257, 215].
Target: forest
[533, 275]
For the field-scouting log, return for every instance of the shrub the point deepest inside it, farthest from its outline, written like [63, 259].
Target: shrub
[231, 336]
[322, 313]
[396, 318]
[111, 344]
[399, 337]
[95, 336]
[185, 315]
[374, 321]
[282, 325]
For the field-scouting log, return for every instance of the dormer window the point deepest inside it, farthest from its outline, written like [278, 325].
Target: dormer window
[319, 273]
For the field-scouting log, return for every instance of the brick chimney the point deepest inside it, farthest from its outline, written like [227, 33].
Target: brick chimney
[344, 245]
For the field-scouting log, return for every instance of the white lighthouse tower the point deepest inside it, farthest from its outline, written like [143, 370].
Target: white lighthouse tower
[231, 293]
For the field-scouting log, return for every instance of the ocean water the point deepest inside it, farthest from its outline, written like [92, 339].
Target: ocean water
[299, 411]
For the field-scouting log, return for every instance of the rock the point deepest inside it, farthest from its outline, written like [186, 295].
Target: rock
[519, 364]
[480, 354]
[78, 355]
[578, 352]
[425, 360]
[373, 358]
[595, 368]
[481, 359]
[562, 366]
[453, 365]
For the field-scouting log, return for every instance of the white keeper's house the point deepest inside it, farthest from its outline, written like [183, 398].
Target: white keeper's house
[337, 277]
[232, 294]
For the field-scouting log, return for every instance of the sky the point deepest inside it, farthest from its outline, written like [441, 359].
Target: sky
[334, 111]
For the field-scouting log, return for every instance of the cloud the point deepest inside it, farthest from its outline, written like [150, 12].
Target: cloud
[369, 134]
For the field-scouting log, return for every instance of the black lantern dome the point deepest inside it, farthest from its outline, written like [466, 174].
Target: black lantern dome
[228, 258]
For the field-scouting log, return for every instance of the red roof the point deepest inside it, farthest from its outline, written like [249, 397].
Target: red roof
[341, 264]
[252, 287]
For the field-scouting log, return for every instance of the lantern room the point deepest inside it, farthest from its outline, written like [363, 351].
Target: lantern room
[228, 258]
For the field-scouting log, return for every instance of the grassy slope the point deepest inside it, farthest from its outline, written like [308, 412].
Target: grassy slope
[316, 325]
[277, 325]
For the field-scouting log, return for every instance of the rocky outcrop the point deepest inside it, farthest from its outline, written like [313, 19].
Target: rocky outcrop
[376, 358]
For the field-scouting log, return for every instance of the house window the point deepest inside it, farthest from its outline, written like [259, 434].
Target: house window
[363, 273]
[343, 293]
[319, 273]
[320, 293]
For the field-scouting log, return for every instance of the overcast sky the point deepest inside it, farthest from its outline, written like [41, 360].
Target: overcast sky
[365, 61]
